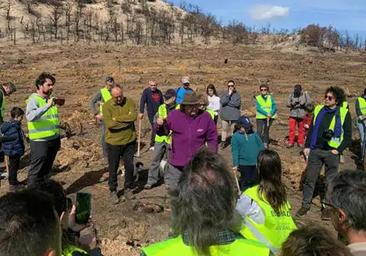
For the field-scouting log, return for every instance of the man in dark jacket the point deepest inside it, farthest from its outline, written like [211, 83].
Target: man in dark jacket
[6, 89]
[329, 135]
[152, 98]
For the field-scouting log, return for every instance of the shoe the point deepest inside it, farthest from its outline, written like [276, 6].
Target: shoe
[151, 148]
[290, 145]
[302, 211]
[104, 178]
[326, 214]
[148, 186]
[4, 175]
[128, 194]
[300, 145]
[114, 197]
[223, 145]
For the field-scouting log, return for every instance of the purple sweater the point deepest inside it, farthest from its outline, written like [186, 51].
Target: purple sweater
[189, 135]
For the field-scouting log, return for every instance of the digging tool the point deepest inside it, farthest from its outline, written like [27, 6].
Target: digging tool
[236, 181]
[363, 147]
[139, 138]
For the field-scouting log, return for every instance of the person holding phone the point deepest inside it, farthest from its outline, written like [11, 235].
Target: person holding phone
[43, 128]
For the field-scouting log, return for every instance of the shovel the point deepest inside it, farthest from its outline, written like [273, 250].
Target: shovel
[139, 138]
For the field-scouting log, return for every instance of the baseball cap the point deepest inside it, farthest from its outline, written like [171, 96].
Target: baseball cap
[244, 121]
[109, 79]
[169, 94]
[185, 80]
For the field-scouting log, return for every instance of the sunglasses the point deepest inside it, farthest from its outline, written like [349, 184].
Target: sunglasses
[327, 97]
[230, 85]
[264, 90]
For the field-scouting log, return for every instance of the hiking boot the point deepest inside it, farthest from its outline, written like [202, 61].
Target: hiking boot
[114, 197]
[148, 186]
[302, 211]
[326, 214]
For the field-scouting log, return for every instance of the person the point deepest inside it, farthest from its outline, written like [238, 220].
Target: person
[348, 202]
[162, 137]
[297, 102]
[203, 103]
[29, 225]
[96, 104]
[264, 208]
[152, 98]
[14, 149]
[119, 115]
[66, 211]
[245, 147]
[213, 101]
[360, 106]
[6, 89]
[191, 130]
[266, 112]
[43, 128]
[204, 221]
[329, 134]
[183, 89]
[313, 240]
[230, 111]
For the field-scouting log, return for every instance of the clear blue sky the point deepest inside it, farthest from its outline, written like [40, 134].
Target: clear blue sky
[347, 15]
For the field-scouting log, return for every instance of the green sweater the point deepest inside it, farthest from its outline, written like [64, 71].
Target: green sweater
[245, 149]
[119, 122]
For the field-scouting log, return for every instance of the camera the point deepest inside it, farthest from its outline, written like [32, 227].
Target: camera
[328, 134]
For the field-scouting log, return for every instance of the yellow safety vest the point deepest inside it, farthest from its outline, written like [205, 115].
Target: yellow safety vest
[163, 114]
[106, 96]
[48, 125]
[176, 247]
[266, 105]
[70, 249]
[276, 228]
[334, 141]
[211, 112]
[362, 104]
[344, 104]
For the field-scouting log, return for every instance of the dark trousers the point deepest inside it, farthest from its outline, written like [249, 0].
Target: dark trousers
[318, 158]
[42, 155]
[13, 165]
[248, 176]
[115, 153]
[263, 129]
[152, 138]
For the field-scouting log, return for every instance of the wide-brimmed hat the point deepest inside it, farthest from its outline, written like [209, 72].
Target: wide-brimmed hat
[190, 98]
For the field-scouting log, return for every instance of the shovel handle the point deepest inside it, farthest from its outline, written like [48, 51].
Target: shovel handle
[139, 138]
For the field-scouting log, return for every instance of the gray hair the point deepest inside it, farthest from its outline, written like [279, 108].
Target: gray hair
[204, 201]
[348, 192]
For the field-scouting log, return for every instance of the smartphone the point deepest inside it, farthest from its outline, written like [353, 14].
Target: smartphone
[83, 207]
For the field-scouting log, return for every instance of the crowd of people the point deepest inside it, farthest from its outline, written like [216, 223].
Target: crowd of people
[216, 209]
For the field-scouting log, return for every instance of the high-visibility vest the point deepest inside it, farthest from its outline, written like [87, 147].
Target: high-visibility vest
[70, 249]
[266, 104]
[48, 125]
[106, 96]
[177, 247]
[362, 104]
[211, 112]
[2, 107]
[163, 114]
[334, 142]
[276, 227]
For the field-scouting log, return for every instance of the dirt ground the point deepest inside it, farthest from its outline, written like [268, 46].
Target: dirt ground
[80, 70]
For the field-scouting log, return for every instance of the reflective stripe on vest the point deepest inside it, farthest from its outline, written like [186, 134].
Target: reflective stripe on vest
[362, 104]
[266, 105]
[69, 250]
[47, 125]
[276, 228]
[163, 114]
[334, 142]
[176, 247]
[106, 96]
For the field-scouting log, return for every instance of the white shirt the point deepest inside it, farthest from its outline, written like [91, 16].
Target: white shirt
[214, 103]
[247, 207]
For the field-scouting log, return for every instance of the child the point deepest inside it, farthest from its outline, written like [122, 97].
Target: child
[245, 147]
[14, 149]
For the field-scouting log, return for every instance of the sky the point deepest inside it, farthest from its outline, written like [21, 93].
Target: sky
[345, 15]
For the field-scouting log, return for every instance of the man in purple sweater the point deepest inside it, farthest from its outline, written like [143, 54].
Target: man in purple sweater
[191, 130]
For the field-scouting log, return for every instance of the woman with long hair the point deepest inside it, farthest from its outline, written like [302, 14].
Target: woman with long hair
[264, 208]
[213, 101]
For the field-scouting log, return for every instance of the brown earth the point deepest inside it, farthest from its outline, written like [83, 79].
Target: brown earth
[80, 70]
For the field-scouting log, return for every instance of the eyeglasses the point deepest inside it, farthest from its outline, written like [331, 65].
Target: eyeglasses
[327, 97]
[264, 90]
[230, 85]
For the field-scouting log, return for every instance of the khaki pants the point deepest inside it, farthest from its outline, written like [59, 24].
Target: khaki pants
[225, 129]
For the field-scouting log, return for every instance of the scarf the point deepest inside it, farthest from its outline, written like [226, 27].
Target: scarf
[319, 118]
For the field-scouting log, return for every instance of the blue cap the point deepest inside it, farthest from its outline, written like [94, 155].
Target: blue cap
[244, 121]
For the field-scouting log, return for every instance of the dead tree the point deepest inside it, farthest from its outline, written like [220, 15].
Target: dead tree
[55, 19]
